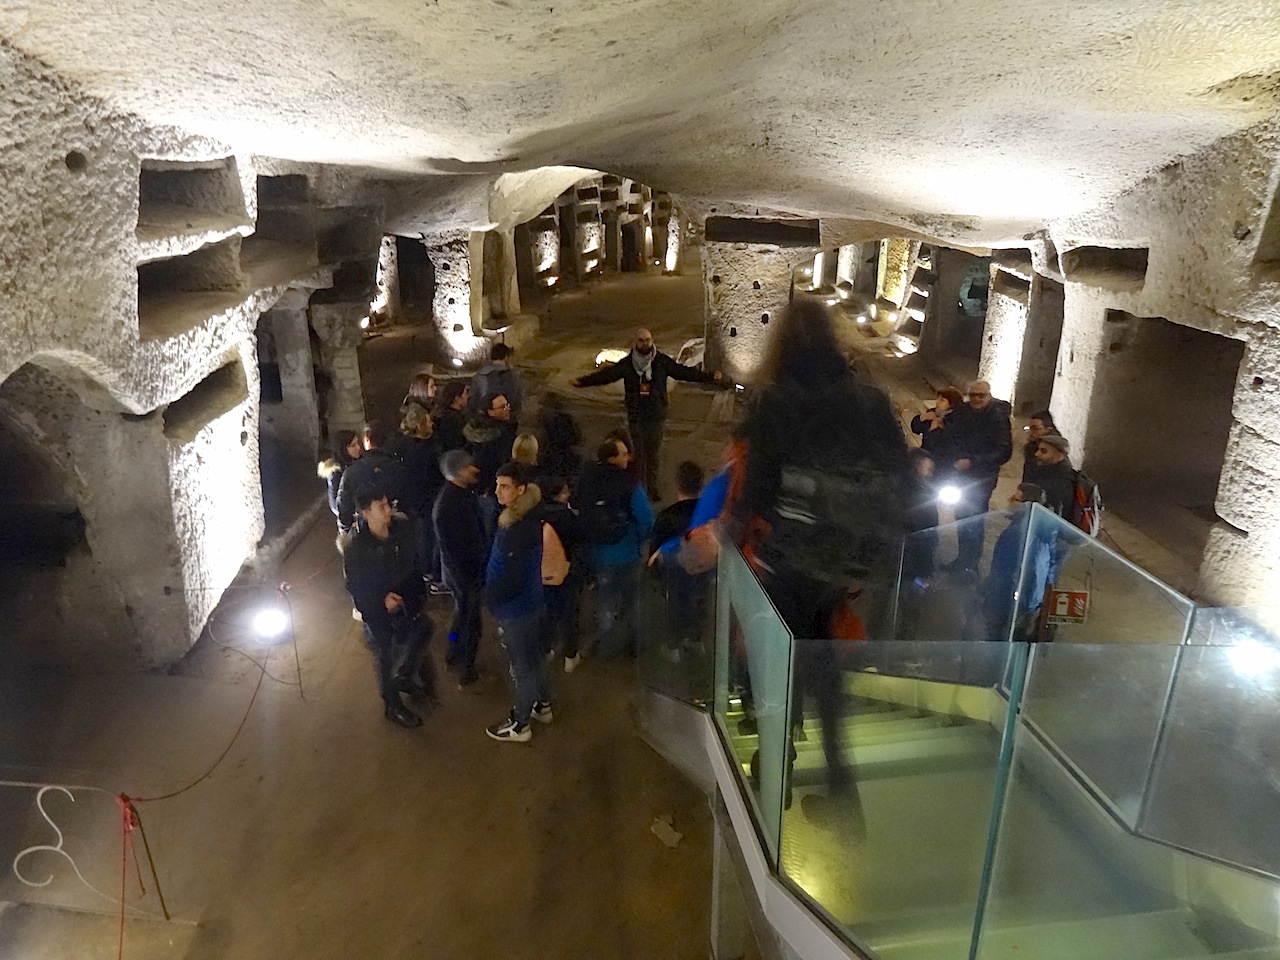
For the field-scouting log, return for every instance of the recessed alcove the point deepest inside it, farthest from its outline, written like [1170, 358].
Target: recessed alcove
[221, 391]
[1012, 286]
[287, 190]
[1016, 261]
[184, 204]
[1111, 268]
[1159, 424]
[179, 293]
[353, 282]
[783, 233]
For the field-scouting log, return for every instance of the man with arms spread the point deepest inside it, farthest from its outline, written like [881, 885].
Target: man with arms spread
[644, 373]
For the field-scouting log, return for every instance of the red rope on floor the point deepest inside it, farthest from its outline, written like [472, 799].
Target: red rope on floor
[208, 773]
[127, 823]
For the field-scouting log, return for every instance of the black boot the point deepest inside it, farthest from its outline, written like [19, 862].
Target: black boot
[416, 690]
[401, 715]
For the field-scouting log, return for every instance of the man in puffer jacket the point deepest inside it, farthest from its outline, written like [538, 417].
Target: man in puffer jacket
[513, 594]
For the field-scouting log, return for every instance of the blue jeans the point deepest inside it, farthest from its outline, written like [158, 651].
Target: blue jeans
[617, 624]
[522, 639]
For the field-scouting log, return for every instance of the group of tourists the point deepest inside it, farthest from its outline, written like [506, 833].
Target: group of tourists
[817, 488]
[462, 503]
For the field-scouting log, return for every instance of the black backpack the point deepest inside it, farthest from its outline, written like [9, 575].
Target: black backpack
[604, 508]
[839, 507]
[1085, 507]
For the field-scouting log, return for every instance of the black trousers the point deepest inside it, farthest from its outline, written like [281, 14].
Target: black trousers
[646, 434]
[464, 632]
[806, 606]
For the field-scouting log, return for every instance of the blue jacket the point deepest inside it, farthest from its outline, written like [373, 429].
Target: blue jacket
[513, 579]
[631, 547]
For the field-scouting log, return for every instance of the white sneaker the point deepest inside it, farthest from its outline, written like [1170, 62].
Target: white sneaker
[571, 663]
[508, 731]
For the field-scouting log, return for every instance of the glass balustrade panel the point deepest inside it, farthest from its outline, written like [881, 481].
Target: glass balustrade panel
[1085, 595]
[752, 678]
[893, 767]
[959, 579]
[1215, 787]
[1070, 878]
[677, 613]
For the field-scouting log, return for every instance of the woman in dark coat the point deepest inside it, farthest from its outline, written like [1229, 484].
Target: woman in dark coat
[346, 450]
[939, 431]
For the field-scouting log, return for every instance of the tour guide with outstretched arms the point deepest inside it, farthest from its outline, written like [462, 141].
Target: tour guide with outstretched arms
[644, 373]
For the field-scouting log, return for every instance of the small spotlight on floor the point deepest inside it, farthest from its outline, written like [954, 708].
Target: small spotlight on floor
[949, 495]
[457, 361]
[272, 623]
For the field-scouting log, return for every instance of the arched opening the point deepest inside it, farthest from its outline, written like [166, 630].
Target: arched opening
[61, 604]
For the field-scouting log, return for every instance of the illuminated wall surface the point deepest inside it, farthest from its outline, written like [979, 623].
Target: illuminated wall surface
[149, 219]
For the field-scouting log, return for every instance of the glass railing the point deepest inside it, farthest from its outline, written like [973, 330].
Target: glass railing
[1099, 787]
[678, 627]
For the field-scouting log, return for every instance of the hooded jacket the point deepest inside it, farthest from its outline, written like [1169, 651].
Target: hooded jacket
[330, 471]
[513, 580]
[491, 380]
[374, 467]
[611, 484]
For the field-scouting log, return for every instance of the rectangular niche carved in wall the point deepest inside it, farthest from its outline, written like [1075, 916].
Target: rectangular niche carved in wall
[178, 294]
[188, 198]
[782, 233]
[223, 390]
[1111, 268]
[1012, 286]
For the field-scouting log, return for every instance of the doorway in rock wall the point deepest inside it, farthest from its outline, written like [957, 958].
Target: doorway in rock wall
[1159, 423]
[632, 246]
[288, 418]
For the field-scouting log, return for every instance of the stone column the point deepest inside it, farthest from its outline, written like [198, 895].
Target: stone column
[338, 327]
[171, 503]
[1034, 386]
[510, 279]
[457, 308]
[746, 285]
[388, 281]
[1004, 332]
[942, 334]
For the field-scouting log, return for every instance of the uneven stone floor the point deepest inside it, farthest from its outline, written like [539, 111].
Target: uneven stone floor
[328, 833]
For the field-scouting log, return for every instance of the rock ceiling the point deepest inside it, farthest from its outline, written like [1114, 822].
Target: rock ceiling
[987, 117]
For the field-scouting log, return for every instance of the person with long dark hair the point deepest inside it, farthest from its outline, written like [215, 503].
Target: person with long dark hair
[826, 471]
[347, 448]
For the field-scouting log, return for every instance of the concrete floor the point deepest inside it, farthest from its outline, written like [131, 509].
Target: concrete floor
[326, 832]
